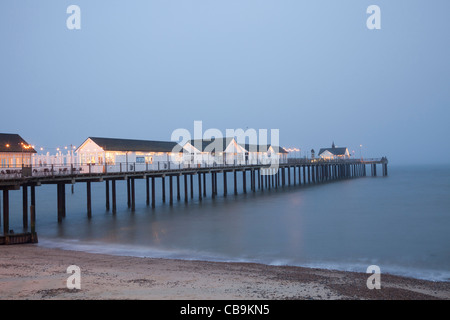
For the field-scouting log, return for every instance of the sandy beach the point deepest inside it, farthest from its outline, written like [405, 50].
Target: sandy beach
[34, 272]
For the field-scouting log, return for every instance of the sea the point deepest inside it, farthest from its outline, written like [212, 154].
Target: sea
[401, 223]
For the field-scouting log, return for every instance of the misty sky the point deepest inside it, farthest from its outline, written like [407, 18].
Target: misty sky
[141, 69]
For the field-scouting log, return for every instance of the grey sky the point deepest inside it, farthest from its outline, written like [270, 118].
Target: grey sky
[140, 69]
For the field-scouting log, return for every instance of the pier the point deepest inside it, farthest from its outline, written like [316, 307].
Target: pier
[255, 177]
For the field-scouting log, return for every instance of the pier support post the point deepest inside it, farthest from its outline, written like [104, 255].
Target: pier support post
[107, 194]
[299, 175]
[213, 193]
[199, 175]
[133, 195]
[58, 202]
[178, 187]
[225, 183]
[128, 192]
[33, 196]
[244, 180]
[259, 178]
[5, 212]
[114, 200]
[171, 190]
[274, 179]
[61, 194]
[33, 222]
[304, 174]
[253, 180]
[192, 186]
[289, 175]
[25, 206]
[266, 179]
[235, 182]
[204, 185]
[185, 188]
[153, 192]
[88, 199]
[147, 190]
[309, 174]
[163, 183]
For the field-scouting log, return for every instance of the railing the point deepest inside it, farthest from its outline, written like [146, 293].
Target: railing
[335, 160]
[13, 173]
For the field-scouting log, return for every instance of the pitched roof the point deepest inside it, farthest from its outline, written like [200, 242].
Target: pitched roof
[334, 151]
[262, 148]
[10, 142]
[113, 144]
[209, 145]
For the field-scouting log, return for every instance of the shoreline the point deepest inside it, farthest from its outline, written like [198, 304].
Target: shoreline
[34, 272]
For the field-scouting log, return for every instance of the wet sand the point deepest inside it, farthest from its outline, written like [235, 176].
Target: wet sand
[34, 272]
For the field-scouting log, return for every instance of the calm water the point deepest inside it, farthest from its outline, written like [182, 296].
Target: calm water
[400, 223]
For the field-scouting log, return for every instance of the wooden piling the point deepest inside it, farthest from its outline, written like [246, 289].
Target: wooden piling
[60, 200]
[213, 193]
[253, 180]
[147, 190]
[215, 183]
[32, 220]
[88, 199]
[133, 195]
[185, 188]
[128, 193]
[204, 184]
[178, 188]
[5, 211]
[235, 182]
[114, 199]
[33, 196]
[171, 190]
[199, 186]
[107, 194]
[163, 183]
[259, 178]
[153, 193]
[25, 206]
[225, 183]
[192, 185]
[289, 175]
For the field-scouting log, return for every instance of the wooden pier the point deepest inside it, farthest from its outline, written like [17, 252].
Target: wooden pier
[261, 176]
